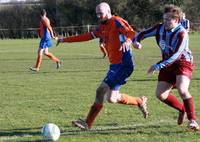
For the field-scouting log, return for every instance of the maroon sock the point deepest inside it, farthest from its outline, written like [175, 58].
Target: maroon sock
[189, 107]
[173, 102]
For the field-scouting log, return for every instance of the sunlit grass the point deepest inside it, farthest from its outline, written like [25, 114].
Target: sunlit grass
[29, 100]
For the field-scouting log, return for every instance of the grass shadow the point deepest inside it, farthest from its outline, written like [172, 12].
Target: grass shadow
[20, 131]
[126, 129]
[10, 134]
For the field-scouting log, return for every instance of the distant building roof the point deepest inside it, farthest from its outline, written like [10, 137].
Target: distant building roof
[14, 1]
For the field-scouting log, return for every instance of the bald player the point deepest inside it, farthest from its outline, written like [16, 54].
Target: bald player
[116, 34]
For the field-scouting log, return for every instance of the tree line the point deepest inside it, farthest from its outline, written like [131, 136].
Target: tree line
[16, 20]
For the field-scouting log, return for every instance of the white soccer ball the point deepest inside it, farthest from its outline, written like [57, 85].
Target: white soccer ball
[51, 132]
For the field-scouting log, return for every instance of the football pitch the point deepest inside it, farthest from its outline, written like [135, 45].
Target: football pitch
[28, 100]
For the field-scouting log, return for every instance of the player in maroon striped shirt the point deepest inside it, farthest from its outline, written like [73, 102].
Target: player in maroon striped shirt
[176, 65]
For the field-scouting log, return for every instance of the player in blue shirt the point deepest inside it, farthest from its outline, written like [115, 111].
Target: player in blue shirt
[175, 68]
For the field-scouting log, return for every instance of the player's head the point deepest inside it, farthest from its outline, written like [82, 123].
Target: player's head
[43, 12]
[171, 16]
[103, 12]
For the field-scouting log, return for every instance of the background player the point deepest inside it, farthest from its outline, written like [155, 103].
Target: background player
[45, 33]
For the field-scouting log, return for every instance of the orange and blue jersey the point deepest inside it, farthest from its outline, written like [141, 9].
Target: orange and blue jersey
[110, 34]
[113, 34]
[45, 33]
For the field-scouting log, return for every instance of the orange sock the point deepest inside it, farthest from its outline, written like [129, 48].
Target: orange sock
[94, 111]
[52, 57]
[38, 62]
[129, 100]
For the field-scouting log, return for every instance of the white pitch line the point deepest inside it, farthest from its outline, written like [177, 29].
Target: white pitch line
[15, 137]
[75, 131]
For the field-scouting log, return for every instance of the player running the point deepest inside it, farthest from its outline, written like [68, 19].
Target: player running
[121, 63]
[176, 65]
[45, 33]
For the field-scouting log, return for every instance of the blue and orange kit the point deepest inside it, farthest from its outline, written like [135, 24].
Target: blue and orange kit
[112, 34]
[45, 31]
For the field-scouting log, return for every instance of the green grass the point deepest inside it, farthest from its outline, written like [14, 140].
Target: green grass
[29, 100]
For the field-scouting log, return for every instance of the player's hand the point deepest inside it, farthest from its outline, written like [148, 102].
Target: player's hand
[152, 69]
[56, 38]
[60, 39]
[103, 49]
[57, 42]
[102, 45]
[53, 37]
[126, 45]
[137, 45]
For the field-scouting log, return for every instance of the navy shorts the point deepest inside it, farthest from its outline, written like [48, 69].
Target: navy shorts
[118, 75]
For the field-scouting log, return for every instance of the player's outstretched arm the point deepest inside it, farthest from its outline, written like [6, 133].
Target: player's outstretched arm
[78, 38]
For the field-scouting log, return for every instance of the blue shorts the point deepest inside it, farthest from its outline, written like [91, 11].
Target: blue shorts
[118, 75]
[45, 43]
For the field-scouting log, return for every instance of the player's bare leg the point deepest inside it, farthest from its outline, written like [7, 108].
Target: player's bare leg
[53, 58]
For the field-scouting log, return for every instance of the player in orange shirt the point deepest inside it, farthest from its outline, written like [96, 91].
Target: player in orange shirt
[116, 34]
[45, 33]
